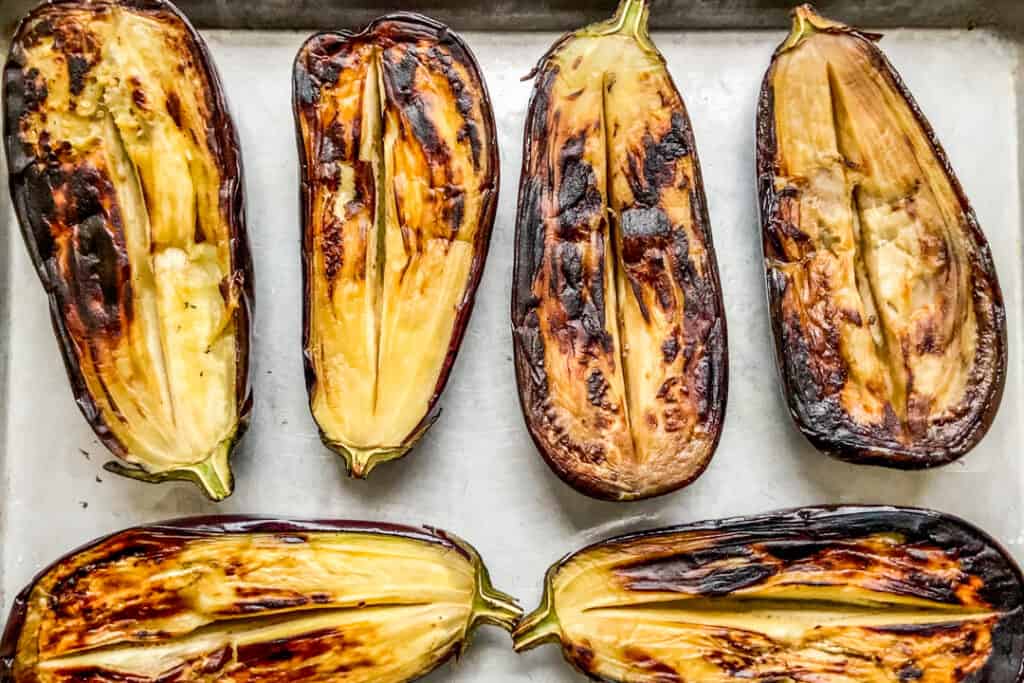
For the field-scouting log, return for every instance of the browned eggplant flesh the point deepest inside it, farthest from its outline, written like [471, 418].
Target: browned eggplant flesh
[888, 318]
[822, 595]
[126, 178]
[619, 330]
[238, 599]
[399, 166]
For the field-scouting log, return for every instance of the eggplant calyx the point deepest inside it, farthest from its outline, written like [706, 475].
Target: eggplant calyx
[212, 475]
[631, 20]
[806, 22]
[540, 626]
[362, 461]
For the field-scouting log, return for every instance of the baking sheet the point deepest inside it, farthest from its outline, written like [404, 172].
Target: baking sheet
[476, 472]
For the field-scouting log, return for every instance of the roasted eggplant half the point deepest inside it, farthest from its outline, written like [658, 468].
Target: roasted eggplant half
[235, 599]
[888, 319]
[399, 184]
[618, 325]
[829, 595]
[126, 179]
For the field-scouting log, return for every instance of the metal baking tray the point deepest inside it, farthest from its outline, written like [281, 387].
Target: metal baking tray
[476, 472]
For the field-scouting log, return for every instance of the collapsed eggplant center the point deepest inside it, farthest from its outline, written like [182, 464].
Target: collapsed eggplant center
[866, 610]
[138, 236]
[885, 254]
[258, 607]
[628, 302]
[401, 177]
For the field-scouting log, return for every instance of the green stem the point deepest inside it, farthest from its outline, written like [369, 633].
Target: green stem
[807, 22]
[630, 19]
[212, 475]
[540, 626]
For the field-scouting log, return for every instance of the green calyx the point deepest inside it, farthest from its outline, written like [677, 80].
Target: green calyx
[807, 22]
[630, 20]
[212, 475]
[540, 626]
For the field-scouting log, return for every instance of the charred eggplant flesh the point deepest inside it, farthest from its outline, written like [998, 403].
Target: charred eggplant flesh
[831, 595]
[618, 324]
[888, 317]
[126, 178]
[240, 599]
[399, 168]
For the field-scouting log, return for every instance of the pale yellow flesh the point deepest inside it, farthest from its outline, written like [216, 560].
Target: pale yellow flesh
[887, 228]
[616, 91]
[831, 632]
[166, 386]
[380, 332]
[390, 606]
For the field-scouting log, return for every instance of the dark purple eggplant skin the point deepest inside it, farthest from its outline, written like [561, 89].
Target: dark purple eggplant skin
[818, 416]
[397, 26]
[205, 526]
[798, 532]
[25, 187]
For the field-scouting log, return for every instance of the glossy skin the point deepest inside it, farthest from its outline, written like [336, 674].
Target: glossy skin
[618, 324]
[888, 318]
[399, 166]
[126, 179]
[829, 595]
[247, 599]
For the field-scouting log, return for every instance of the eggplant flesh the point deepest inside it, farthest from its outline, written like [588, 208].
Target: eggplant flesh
[831, 595]
[244, 599]
[888, 317]
[126, 178]
[399, 167]
[618, 323]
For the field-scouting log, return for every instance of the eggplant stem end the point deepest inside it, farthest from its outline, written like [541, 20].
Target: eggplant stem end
[212, 475]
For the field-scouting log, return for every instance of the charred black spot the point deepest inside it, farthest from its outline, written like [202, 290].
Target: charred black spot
[139, 98]
[173, 105]
[540, 105]
[78, 67]
[306, 91]
[333, 145]
[658, 167]
[400, 85]
[468, 132]
[34, 90]
[570, 291]
[96, 270]
[909, 672]
[597, 388]
[705, 572]
[643, 229]
[580, 654]
[454, 209]
[670, 349]
[660, 671]
[268, 604]
[579, 198]
[297, 649]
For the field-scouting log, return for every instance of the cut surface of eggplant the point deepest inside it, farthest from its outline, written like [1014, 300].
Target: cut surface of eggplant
[887, 313]
[830, 595]
[618, 324]
[243, 599]
[399, 166]
[126, 179]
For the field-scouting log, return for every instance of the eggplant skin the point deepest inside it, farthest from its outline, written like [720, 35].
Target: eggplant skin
[74, 218]
[399, 172]
[240, 598]
[815, 332]
[871, 594]
[618, 322]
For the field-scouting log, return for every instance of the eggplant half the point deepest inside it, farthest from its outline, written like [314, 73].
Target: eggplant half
[617, 317]
[399, 184]
[829, 595]
[888, 319]
[126, 179]
[236, 599]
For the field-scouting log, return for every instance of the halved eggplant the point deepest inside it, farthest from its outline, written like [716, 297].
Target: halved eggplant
[617, 316]
[824, 594]
[399, 170]
[237, 599]
[126, 179]
[888, 319]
